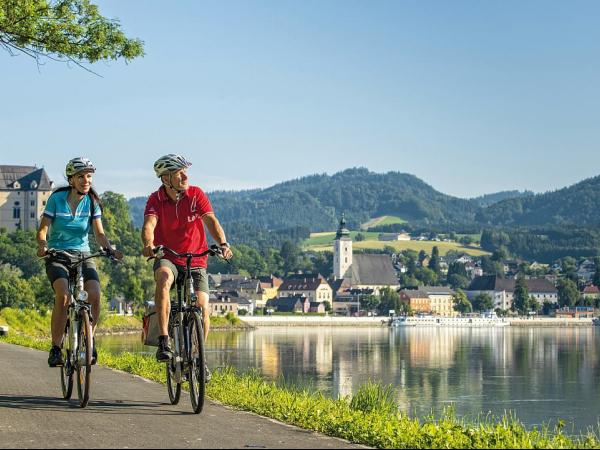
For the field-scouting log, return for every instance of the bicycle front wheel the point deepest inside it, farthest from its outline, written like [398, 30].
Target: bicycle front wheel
[197, 375]
[84, 359]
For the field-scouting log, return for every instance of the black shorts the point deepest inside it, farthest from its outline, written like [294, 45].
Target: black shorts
[198, 274]
[56, 270]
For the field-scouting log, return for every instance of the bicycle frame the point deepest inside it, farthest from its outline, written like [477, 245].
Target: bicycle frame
[186, 298]
[78, 301]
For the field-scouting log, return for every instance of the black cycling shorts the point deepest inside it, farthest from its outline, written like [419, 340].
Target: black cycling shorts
[56, 270]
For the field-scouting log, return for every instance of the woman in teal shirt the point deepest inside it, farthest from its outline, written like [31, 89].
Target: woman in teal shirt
[69, 214]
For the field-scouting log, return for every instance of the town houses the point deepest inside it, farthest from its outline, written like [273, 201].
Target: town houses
[360, 276]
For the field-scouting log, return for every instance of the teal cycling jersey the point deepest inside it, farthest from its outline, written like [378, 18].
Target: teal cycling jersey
[69, 230]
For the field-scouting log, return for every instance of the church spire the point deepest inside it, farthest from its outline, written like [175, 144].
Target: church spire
[342, 230]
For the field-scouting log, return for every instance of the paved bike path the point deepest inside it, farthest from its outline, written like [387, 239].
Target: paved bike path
[124, 412]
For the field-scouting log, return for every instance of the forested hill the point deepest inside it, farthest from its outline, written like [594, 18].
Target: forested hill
[316, 202]
[575, 205]
[490, 199]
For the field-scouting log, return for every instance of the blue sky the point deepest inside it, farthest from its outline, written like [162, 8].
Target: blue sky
[473, 97]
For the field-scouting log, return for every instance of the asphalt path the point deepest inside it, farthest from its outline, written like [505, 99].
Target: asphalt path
[125, 411]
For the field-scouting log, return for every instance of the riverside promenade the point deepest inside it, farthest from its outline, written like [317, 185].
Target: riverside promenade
[336, 321]
[125, 411]
[315, 321]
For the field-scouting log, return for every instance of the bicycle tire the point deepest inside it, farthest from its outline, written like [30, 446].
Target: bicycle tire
[173, 387]
[66, 375]
[197, 362]
[84, 359]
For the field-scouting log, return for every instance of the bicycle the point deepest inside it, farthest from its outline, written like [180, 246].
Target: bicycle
[186, 332]
[77, 341]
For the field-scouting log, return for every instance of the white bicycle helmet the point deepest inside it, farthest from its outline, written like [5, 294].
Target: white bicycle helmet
[170, 163]
[77, 165]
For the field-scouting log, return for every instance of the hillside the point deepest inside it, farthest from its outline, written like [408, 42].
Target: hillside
[531, 225]
[489, 199]
[317, 201]
[575, 205]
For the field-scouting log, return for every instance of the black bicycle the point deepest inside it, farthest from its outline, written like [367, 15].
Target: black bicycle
[186, 332]
[77, 341]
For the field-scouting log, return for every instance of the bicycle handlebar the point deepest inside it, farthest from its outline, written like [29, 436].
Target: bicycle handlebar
[74, 260]
[214, 250]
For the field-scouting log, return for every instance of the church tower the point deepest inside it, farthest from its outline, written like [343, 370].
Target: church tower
[342, 251]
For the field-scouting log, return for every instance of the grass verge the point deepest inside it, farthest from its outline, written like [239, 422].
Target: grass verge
[370, 417]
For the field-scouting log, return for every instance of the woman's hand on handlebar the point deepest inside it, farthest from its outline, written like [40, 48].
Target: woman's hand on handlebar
[42, 251]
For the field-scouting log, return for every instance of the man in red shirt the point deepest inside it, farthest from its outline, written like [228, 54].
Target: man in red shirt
[175, 216]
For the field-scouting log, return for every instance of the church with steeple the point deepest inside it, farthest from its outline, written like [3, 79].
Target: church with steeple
[360, 271]
[342, 251]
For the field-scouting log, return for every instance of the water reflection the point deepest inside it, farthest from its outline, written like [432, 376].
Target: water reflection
[540, 373]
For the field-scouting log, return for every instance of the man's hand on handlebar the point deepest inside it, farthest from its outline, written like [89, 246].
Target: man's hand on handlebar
[226, 252]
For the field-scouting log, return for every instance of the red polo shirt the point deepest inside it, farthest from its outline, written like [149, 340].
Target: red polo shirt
[179, 224]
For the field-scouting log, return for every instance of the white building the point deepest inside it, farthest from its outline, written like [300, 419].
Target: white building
[502, 290]
[24, 191]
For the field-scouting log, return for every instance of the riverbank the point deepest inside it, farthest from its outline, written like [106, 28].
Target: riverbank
[370, 417]
[335, 321]
[37, 324]
[312, 321]
[550, 322]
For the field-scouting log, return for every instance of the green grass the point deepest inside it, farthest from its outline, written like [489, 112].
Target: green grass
[391, 220]
[326, 239]
[444, 247]
[116, 323]
[29, 322]
[370, 417]
[34, 323]
[382, 221]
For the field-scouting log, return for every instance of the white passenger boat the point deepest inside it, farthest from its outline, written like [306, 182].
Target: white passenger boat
[434, 321]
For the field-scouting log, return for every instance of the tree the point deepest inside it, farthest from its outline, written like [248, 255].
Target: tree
[461, 302]
[389, 299]
[457, 276]
[369, 302]
[290, 255]
[596, 279]
[568, 294]
[434, 262]
[63, 30]
[422, 257]
[569, 268]
[118, 225]
[521, 301]
[15, 292]
[483, 302]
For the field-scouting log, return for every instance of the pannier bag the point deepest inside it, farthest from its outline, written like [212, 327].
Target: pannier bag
[150, 331]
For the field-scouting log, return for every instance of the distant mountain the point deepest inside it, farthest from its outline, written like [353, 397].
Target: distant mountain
[490, 199]
[316, 202]
[577, 205]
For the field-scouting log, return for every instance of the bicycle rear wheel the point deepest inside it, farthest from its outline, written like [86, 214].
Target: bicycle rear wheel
[66, 371]
[84, 359]
[197, 374]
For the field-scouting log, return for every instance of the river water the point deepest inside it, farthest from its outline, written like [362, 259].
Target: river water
[540, 374]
